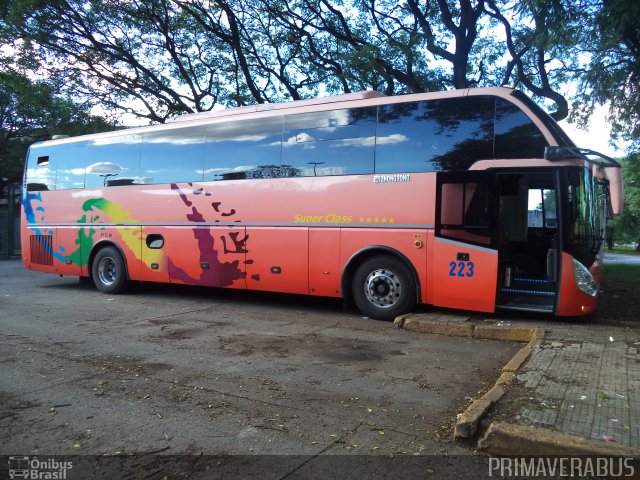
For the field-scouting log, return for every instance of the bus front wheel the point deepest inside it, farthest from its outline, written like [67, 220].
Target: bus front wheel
[383, 287]
[109, 271]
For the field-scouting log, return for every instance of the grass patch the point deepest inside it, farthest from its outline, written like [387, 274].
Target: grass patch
[620, 294]
[623, 275]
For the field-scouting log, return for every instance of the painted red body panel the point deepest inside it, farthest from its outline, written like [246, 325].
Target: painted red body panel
[469, 285]
[197, 224]
[572, 301]
[150, 256]
[66, 236]
[231, 234]
[279, 259]
[324, 262]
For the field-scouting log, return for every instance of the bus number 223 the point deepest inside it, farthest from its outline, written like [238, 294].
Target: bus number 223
[461, 269]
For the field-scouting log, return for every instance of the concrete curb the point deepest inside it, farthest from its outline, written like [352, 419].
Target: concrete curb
[505, 439]
[510, 440]
[467, 424]
[457, 326]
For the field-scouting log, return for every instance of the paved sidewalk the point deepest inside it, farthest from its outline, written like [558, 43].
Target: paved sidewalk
[584, 379]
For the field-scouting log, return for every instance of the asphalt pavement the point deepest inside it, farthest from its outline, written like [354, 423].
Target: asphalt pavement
[273, 380]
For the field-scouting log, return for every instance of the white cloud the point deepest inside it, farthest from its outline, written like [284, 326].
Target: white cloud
[105, 168]
[371, 141]
[240, 168]
[597, 136]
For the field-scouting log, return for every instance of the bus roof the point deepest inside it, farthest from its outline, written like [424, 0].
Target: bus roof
[350, 100]
[347, 97]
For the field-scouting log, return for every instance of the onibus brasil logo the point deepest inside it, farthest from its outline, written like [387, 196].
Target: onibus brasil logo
[34, 468]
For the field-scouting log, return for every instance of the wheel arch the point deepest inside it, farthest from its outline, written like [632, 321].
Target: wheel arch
[371, 251]
[99, 245]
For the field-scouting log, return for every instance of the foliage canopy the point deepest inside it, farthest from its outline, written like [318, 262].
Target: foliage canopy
[159, 58]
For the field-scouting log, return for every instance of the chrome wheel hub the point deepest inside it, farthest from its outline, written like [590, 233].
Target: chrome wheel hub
[382, 288]
[107, 271]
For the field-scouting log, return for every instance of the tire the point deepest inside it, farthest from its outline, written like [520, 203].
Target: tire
[109, 271]
[383, 287]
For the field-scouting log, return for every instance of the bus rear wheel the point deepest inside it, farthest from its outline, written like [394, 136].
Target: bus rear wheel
[383, 287]
[109, 271]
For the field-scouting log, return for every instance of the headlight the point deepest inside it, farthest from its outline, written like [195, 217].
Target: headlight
[584, 279]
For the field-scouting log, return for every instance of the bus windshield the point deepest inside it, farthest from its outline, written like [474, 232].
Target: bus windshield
[587, 214]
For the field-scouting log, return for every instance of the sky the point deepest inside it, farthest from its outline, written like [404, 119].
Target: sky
[597, 136]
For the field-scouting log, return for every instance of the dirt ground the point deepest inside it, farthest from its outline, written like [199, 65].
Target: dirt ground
[619, 302]
[227, 375]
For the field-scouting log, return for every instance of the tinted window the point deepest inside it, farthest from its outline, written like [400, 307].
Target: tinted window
[173, 156]
[516, 135]
[244, 149]
[464, 211]
[40, 173]
[56, 167]
[334, 142]
[437, 135]
[584, 236]
[557, 132]
[68, 160]
[542, 208]
[113, 161]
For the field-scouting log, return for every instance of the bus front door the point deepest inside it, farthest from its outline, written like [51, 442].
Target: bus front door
[464, 263]
[528, 240]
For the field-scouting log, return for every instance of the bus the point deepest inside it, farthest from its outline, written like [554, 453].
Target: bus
[470, 199]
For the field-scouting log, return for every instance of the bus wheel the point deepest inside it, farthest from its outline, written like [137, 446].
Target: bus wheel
[109, 271]
[383, 287]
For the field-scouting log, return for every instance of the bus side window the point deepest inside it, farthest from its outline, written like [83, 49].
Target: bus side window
[465, 212]
[244, 149]
[58, 167]
[333, 142]
[41, 175]
[69, 162]
[516, 134]
[433, 136]
[173, 156]
[113, 161]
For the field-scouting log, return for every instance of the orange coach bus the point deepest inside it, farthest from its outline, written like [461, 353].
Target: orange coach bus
[471, 199]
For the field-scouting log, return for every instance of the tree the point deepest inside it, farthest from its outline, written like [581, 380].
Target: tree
[626, 227]
[160, 58]
[611, 75]
[31, 111]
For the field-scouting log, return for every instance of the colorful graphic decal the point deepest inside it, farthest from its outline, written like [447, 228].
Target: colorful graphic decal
[30, 214]
[219, 274]
[85, 240]
[115, 213]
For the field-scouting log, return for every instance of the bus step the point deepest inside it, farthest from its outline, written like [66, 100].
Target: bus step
[533, 293]
[524, 307]
[537, 281]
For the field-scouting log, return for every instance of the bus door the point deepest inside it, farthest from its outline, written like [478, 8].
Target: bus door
[464, 263]
[528, 241]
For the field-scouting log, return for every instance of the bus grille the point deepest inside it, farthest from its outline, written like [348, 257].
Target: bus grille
[41, 249]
